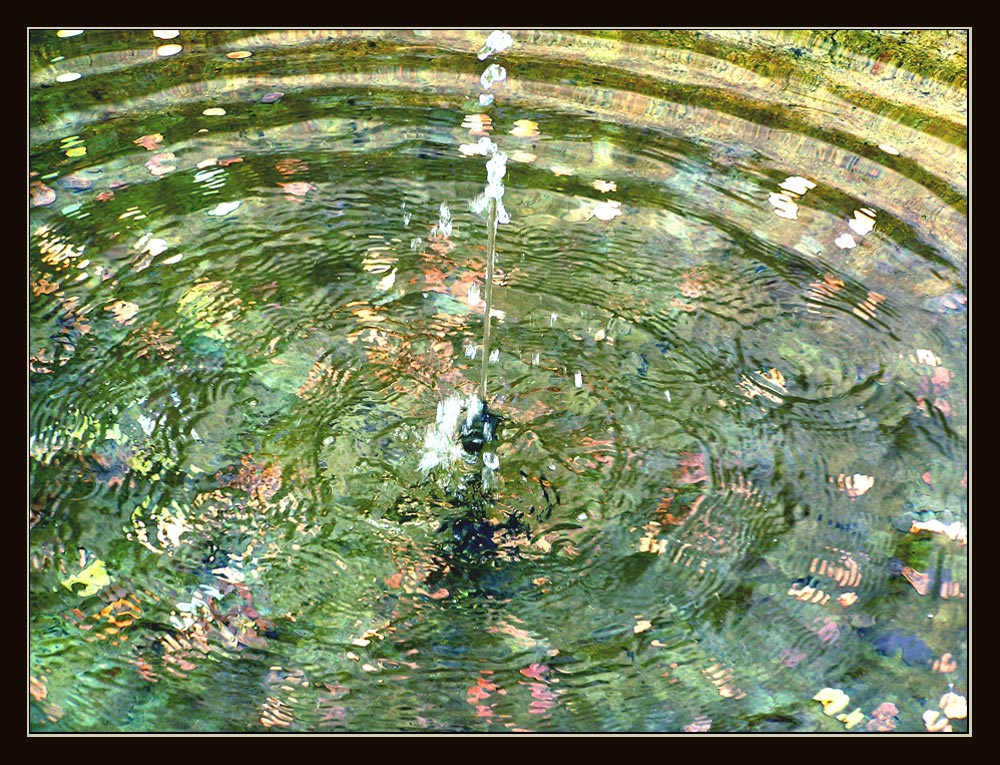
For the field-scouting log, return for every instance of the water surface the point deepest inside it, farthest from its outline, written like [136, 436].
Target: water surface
[731, 326]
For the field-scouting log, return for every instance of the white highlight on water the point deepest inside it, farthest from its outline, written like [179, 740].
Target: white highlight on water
[474, 297]
[474, 407]
[443, 227]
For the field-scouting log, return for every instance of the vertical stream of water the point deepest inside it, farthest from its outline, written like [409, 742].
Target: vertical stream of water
[491, 237]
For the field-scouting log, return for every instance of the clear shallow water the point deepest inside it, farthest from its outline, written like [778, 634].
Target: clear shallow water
[731, 318]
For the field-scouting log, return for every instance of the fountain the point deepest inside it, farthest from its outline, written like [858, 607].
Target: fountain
[481, 426]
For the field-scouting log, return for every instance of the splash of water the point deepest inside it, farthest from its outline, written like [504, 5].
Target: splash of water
[481, 425]
[492, 201]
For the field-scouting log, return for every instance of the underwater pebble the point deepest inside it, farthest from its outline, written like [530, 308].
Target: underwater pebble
[935, 722]
[834, 700]
[169, 50]
[41, 195]
[270, 98]
[913, 650]
[74, 183]
[954, 706]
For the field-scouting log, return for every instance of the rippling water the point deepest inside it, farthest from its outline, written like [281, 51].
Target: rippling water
[731, 321]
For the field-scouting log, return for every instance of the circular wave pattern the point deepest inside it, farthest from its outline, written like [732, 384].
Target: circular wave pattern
[730, 318]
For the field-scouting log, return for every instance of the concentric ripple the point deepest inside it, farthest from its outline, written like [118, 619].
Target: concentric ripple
[730, 327]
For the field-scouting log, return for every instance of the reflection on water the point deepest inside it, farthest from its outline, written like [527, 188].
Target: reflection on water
[729, 358]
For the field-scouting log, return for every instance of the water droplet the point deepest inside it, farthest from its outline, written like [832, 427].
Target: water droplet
[497, 42]
[493, 74]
